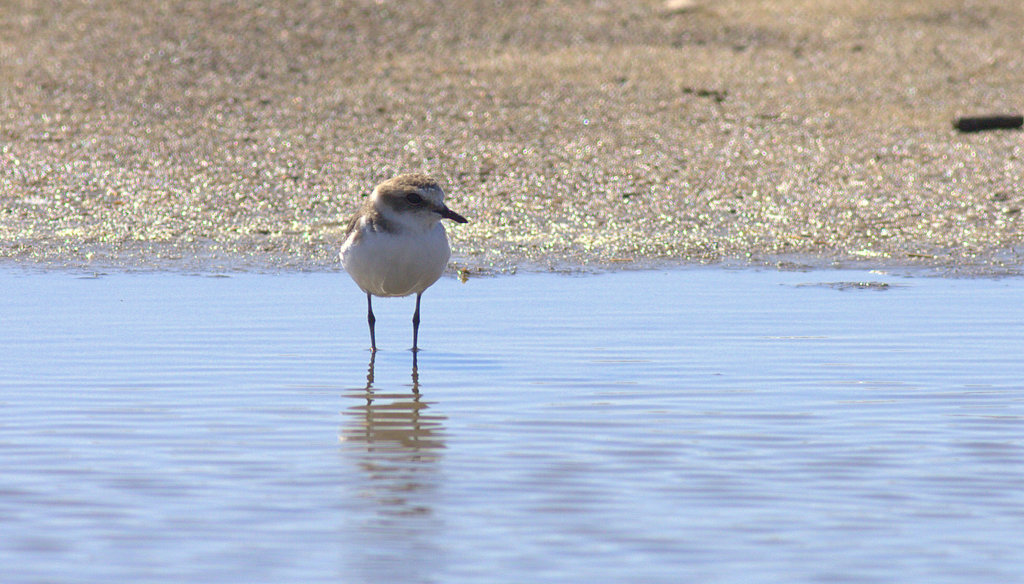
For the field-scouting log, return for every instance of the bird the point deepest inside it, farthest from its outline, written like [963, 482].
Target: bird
[395, 244]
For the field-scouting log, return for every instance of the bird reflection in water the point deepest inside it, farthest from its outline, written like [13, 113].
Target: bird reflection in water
[400, 444]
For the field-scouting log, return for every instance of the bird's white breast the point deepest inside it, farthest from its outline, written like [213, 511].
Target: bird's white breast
[395, 264]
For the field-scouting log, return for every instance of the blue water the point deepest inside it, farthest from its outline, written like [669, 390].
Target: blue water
[700, 425]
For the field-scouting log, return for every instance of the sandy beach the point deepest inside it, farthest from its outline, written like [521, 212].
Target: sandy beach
[571, 134]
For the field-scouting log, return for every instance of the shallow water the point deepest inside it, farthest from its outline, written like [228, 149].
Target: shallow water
[695, 425]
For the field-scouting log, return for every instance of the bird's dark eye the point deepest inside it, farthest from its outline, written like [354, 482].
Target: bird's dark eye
[414, 199]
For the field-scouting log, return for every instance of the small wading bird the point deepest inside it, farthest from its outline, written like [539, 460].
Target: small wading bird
[395, 245]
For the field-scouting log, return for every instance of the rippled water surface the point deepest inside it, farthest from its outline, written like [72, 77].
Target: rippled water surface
[700, 425]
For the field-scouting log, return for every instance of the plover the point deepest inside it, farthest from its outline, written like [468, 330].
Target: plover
[395, 245]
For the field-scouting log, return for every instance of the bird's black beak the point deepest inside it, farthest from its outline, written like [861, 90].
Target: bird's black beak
[447, 213]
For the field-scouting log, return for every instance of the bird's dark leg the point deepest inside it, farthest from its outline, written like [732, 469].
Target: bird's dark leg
[416, 324]
[371, 320]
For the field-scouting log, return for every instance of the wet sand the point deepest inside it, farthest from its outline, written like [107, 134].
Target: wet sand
[615, 133]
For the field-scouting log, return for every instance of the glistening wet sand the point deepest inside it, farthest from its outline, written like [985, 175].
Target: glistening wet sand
[614, 132]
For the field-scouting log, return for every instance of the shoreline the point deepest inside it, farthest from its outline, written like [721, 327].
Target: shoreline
[211, 259]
